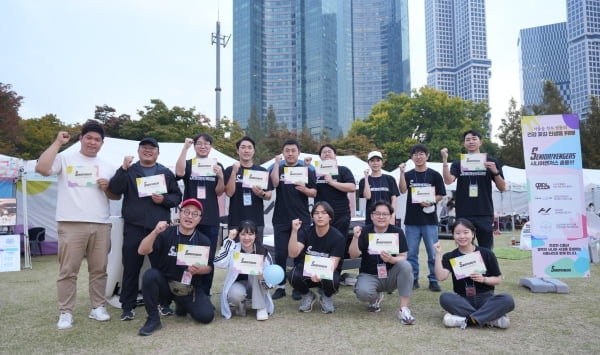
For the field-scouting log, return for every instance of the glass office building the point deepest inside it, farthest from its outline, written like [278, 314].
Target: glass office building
[456, 48]
[543, 55]
[319, 63]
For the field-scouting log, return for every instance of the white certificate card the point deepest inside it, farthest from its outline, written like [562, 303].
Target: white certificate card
[422, 194]
[318, 266]
[473, 162]
[192, 255]
[294, 174]
[326, 167]
[255, 178]
[203, 166]
[468, 264]
[149, 185]
[387, 242]
[249, 264]
[82, 176]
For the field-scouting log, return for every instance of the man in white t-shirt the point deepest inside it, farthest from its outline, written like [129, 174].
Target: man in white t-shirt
[82, 212]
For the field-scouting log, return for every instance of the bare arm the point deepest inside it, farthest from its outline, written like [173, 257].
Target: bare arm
[230, 184]
[180, 165]
[147, 243]
[441, 273]
[294, 246]
[44, 163]
[448, 177]
[275, 172]
[353, 249]
[402, 180]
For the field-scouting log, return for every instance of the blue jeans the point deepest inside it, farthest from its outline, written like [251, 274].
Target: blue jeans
[429, 233]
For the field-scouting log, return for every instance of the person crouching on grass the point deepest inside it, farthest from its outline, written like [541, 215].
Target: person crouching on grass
[167, 280]
[238, 286]
[473, 301]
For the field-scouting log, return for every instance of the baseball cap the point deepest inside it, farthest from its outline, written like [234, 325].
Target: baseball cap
[192, 201]
[149, 140]
[374, 154]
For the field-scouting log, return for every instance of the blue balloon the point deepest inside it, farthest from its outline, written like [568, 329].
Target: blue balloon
[273, 274]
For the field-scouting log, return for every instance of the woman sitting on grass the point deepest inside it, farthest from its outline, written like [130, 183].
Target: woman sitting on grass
[238, 286]
[473, 301]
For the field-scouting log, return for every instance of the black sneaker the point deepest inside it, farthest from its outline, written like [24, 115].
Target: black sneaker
[296, 295]
[165, 310]
[416, 284]
[150, 326]
[279, 293]
[434, 286]
[128, 314]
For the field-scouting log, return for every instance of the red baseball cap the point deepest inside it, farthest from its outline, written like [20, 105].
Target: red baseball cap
[192, 201]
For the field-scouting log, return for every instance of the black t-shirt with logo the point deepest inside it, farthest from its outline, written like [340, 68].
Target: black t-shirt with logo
[332, 243]
[368, 262]
[237, 211]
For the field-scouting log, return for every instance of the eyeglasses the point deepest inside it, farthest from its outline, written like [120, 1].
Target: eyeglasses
[191, 213]
[380, 214]
[203, 144]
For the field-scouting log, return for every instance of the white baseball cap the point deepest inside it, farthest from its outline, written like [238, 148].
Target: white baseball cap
[374, 154]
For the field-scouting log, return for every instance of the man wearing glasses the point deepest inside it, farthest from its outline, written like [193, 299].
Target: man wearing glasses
[203, 180]
[149, 192]
[170, 278]
[380, 270]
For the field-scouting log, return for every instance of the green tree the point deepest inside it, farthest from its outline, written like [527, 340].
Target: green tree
[552, 102]
[271, 121]
[39, 133]
[9, 120]
[590, 133]
[354, 144]
[112, 123]
[511, 152]
[254, 128]
[428, 116]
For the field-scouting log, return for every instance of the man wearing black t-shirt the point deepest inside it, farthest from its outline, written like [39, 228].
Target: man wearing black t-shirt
[169, 280]
[246, 202]
[474, 188]
[377, 186]
[204, 187]
[319, 240]
[334, 189]
[294, 184]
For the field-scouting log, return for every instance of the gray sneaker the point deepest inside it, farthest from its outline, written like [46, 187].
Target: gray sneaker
[376, 305]
[307, 302]
[327, 304]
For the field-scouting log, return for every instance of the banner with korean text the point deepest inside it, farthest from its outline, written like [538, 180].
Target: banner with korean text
[559, 238]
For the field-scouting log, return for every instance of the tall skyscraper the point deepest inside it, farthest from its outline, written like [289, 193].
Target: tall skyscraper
[319, 63]
[543, 55]
[456, 48]
[583, 28]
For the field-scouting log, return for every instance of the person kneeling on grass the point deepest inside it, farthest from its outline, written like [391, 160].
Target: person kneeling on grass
[384, 271]
[319, 242]
[238, 286]
[168, 280]
[473, 301]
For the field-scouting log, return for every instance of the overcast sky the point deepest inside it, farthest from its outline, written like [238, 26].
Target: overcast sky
[67, 56]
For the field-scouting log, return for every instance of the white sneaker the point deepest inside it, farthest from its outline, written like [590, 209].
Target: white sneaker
[261, 314]
[65, 321]
[99, 314]
[376, 305]
[502, 322]
[405, 316]
[452, 321]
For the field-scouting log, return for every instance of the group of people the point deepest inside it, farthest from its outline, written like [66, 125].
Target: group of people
[183, 256]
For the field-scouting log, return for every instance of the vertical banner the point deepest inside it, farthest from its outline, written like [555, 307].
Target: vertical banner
[559, 237]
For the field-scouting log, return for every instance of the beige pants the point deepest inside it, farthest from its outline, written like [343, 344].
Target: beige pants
[77, 240]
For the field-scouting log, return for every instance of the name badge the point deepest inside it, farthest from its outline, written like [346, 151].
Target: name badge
[381, 271]
[473, 190]
[186, 278]
[247, 199]
[201, 193]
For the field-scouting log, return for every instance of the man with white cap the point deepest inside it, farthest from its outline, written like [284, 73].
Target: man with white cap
[377, 186]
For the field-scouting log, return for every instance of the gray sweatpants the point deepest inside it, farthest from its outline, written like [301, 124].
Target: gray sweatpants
[399, 277]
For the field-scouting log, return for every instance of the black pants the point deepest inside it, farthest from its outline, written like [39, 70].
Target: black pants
[304, 283]
[155, 287]
[132, 264]
[484, 230]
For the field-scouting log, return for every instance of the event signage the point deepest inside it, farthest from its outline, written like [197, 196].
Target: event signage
[559, 237]
[149, 185]
[10, 252]
[249, 264]
[319, 266]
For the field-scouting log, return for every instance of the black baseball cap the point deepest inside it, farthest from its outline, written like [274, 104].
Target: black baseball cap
[149, 140]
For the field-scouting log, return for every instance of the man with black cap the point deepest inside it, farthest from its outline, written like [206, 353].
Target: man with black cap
[149, 192]
[170, 278]
[82, 212]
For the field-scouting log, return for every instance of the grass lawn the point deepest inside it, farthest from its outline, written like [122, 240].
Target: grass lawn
[541, 323]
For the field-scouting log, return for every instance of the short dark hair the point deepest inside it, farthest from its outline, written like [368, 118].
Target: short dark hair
[244, 138]
[327, 146]
[206, 137]
[92, 127]
[472, 132]
[382, 203]
[291, 142]
[419, 148]
[326, 206]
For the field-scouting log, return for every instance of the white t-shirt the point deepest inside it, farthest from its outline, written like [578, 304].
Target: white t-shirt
[77, 202]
